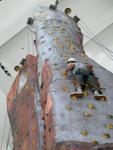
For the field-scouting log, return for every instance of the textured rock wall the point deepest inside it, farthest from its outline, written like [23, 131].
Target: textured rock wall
[65, 126]
[21, 107]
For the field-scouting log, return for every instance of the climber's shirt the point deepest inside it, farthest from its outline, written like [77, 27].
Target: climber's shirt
[82, 72]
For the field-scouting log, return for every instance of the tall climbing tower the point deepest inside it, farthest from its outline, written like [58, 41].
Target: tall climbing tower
[42, 113]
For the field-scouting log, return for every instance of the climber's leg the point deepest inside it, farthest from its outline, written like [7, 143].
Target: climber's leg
[93, 82]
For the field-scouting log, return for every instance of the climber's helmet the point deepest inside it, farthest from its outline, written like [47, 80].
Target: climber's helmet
[72, 60]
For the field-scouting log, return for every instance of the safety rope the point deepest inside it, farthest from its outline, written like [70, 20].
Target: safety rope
[97, 41]
[32, 41]
[38, 113]
[28, 42]
[94, 36]
[110, 56]
[8, 139]
[30, 124]
[4, 129]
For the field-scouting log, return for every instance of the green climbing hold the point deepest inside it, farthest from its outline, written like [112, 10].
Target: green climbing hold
[109, 117]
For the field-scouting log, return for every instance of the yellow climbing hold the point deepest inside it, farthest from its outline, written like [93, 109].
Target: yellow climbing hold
[33, 142]
[33, 129]
[105, 136]
[84, 133]
[65, 89]
[83, 55]
[85, 93]
[68, 107]
[33, 93]
[72, 48]
[63, 147]
[50, 33]
[61, 46]
[90, 106]
[56, 40]
[95, 142]
[73, 97]
[65, 73]
[109, 126]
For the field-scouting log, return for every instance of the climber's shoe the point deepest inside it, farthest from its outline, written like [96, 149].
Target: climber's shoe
[98, 96]
[78, 93]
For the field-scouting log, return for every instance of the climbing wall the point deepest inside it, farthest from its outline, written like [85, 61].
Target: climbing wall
[70, 123]
[40, 99]
[21, 102]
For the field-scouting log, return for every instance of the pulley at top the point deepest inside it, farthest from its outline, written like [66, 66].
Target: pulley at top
[68, 11]
[23, 61]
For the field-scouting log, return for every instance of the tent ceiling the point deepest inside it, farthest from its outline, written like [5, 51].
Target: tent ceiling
[97, 14]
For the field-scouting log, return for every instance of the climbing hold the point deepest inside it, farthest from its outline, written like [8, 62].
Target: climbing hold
[83, 55]
[43, 53]
[65, 88]
[72, 48]
[50, 49]
[33, 142]
[33, 129]
[105, 136]
[65, 55]
[68, 42]
[41, 37]
[55, 64]
[90, 106]
[95, 142]
[65, 74]
[50, 33]
[63, 29]
[32, 93]
[73, 97]
[63, 147]
[56, 40]
[109, 116]
[87, 114]
[84, 133]
[85, 93]
[42, 42]
[109, 126]
[61, 46]
[43, 27]
[68, 107]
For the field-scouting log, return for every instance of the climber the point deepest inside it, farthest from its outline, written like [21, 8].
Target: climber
[84, 75]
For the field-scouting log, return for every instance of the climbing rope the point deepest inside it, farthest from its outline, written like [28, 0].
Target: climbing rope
[28, 41]
[8, 139]
[4, 129]
[32, 41]
[110, 56]
[30, 124]
[97, 41]
[94, 36]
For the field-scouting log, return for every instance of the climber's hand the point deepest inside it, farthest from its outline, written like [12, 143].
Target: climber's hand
[65, 73]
